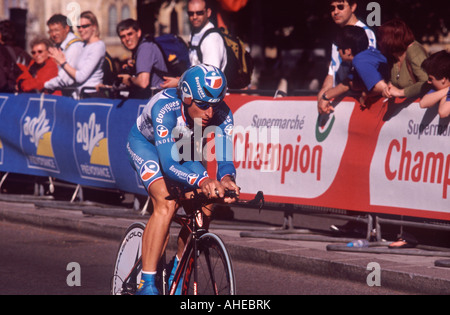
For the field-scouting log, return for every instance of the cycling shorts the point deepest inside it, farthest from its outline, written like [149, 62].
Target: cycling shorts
[144, 158]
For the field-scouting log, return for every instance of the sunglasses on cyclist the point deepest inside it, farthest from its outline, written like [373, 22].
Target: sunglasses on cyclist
[205, 105]
[198, 13]
[84, 26]
[340, 7]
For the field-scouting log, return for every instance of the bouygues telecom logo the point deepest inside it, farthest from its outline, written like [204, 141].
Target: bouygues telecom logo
[91, 141]
[287, 148]
[3, 100]
[38, 124]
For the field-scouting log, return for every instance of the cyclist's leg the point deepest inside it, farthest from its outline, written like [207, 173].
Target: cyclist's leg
[145, 160]
[157, 231]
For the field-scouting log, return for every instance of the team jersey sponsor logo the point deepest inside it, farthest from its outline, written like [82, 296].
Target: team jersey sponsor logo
[38, 123]
[162, 131]
[192, 178]
[149, 170]
[229, 130]
[91, 141]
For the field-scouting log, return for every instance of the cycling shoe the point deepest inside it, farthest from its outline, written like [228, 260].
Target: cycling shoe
[147, 286]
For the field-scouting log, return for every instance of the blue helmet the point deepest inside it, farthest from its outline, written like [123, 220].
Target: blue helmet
[202, 84]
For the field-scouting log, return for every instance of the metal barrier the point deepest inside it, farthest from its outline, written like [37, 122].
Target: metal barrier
[287, 230]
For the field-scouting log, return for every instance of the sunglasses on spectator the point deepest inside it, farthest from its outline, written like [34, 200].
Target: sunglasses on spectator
[34, 52]
[340, 7]
[84, 26]
[205, 105]
[198, 13]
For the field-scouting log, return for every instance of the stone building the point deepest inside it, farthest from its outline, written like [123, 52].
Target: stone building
[108, 12]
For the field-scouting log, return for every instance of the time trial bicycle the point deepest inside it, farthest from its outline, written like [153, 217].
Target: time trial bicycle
[205, 267]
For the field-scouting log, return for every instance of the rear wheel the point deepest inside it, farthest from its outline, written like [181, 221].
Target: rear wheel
[128, 268]
[213, 272]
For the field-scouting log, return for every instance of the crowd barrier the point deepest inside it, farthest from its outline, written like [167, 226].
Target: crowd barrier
[391, 158]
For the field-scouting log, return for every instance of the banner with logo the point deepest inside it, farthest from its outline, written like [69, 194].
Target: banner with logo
[390, 158]
[81, 142]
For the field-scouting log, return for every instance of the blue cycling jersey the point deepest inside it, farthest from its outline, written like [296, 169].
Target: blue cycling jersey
[165, 143]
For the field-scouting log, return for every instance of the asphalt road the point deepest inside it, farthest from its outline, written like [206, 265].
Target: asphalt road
[38, 261]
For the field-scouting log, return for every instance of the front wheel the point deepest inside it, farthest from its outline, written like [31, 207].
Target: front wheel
[209, 270]
[128, 267]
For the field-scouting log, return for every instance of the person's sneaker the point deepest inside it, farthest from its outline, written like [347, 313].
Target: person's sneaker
[172, 275]
[147, 285]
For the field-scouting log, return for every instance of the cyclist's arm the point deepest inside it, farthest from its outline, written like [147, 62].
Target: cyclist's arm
[224, 149]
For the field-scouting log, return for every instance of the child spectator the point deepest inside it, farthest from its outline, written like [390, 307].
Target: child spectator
[437, 67]
[369, 67]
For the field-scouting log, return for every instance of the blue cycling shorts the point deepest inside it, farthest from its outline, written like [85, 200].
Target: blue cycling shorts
[144, 158]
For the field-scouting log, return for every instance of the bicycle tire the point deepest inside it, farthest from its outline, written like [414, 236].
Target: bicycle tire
[215, 269]
[127, 258]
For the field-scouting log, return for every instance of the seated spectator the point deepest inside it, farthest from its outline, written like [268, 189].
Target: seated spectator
[437, 67]
[87, 70]
[41, 69]
[369, 68]
[62, 36]
[405, 56]
[148, 61]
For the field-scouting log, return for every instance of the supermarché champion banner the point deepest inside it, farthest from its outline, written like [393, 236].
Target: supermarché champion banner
[392, 157]
[389, 158]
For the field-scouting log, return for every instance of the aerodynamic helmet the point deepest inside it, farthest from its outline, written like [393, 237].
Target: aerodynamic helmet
[203, 84]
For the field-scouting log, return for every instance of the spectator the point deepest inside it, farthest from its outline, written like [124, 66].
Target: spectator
[7, 38]
[147, 66]
[437, 67]
[212, 50]
[370, 67]
[63, 37]
[41, 69]
[87, 71]
[342, 13]
[405, 55]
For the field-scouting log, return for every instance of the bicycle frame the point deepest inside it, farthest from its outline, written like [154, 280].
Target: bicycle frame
[195, 224]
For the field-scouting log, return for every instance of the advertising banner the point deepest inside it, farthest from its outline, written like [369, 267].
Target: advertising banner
[81, 142]
[388, 158]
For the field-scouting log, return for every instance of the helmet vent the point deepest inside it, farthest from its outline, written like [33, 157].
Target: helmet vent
[207, 93]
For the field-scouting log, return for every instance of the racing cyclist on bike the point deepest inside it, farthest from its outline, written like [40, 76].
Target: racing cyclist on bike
[159, 145]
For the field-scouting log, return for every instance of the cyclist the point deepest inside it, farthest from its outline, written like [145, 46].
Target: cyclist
[163, 147]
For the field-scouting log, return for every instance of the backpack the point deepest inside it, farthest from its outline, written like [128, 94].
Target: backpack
[109, 70]
[175, 52]
[239, 67]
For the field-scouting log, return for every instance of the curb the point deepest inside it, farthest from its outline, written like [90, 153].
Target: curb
[112, 228]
